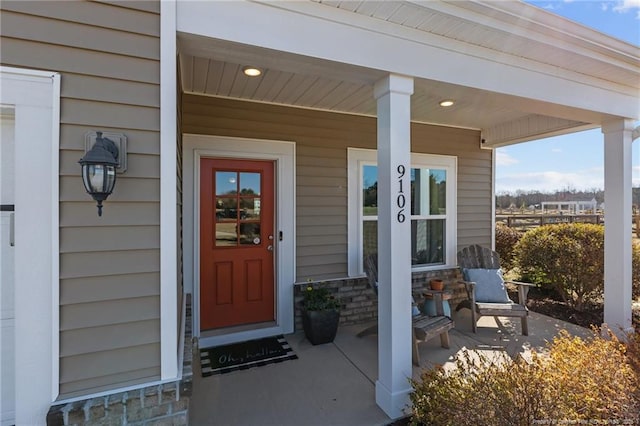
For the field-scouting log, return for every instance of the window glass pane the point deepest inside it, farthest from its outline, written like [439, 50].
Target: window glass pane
[250, 234]
[226, 234]
[420, 192]
[428, 242]
[428, 192]
[226, 183]
[250, 208]
[370, 190]
[249, 183]
[369, 237]
[438, 191]
[226, 209]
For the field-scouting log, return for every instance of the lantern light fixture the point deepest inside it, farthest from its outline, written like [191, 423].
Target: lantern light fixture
[99, 166]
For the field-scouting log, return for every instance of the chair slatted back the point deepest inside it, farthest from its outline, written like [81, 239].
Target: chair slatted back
[476, 256]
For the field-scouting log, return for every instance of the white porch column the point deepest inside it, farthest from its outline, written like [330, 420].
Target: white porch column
[393, 94]
[617, 230]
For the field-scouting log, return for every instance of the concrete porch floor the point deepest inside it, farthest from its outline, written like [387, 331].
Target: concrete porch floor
[334, 384]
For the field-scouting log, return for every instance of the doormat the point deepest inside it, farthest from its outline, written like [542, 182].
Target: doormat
[245, 355]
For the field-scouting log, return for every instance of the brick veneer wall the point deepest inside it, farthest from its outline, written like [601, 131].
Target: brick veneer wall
[359, 302]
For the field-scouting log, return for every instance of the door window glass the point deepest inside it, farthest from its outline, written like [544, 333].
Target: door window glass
[237, 208]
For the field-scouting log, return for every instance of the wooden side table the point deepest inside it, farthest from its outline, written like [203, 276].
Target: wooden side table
[436, 299]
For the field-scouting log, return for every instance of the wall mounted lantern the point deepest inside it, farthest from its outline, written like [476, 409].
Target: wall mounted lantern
[102, 157]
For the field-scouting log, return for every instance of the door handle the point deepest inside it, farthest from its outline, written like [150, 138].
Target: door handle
[12, 229]
[270, 247]
[11, 208]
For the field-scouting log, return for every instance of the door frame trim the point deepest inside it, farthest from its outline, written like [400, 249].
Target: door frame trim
[35, 97]
[283, 153]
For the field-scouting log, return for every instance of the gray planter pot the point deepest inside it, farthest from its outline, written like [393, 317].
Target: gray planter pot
[320, 326]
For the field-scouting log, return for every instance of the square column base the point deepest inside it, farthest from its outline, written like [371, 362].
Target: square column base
[394, 404]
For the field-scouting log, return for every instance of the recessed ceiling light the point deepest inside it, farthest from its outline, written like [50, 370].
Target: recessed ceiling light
[447, 102]
[251, 71]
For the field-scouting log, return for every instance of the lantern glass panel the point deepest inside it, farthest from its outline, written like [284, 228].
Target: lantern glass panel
[98, 178]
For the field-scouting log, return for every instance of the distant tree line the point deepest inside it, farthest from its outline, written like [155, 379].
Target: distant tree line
[521, 198]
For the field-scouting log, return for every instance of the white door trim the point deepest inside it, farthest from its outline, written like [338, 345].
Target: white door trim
[283, 153]
[35, 98]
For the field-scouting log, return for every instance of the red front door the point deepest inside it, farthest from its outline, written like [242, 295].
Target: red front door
[236, 242]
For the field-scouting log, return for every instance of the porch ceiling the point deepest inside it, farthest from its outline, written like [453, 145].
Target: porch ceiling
[310, 83]
[214, 67]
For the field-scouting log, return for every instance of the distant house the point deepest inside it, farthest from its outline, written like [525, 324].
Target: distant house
[570, 207]
[408, 97]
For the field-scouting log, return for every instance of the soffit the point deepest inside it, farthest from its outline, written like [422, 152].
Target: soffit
[314, 89]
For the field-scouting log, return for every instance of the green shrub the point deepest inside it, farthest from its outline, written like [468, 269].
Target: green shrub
[506, 240]
[576, 381]
[569, 258]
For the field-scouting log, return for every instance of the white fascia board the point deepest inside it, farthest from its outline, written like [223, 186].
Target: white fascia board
[314, 30]
[562, 28]
[540, 27]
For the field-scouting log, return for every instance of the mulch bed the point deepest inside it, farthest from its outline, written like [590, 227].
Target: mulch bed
[548, 303]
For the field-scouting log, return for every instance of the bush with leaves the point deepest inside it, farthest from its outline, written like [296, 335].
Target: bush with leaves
[568, 258]
[575, 382]
[479, 391]
[506, 240]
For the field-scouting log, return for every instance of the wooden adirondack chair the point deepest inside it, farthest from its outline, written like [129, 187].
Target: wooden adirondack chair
[474, 257]
[424, 327]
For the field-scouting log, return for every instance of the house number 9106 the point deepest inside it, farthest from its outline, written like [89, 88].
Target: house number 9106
[401, 201]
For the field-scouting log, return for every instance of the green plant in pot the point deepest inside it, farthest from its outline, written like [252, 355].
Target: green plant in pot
[320, 315]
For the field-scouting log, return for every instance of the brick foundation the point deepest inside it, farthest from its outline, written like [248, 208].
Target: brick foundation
[359, 302]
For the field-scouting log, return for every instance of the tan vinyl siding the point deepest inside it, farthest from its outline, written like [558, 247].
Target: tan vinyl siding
[94, 289]
[79, 341]
[122, 366]
[108, 55]
[98, 14]
[322, 139]
[113, 238]
[119, 311]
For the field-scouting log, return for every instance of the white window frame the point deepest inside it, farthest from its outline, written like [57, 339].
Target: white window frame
[356, 159]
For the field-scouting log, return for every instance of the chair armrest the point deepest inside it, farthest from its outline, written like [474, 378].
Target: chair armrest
[523, 290]
[470, 287]
[521, 283]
